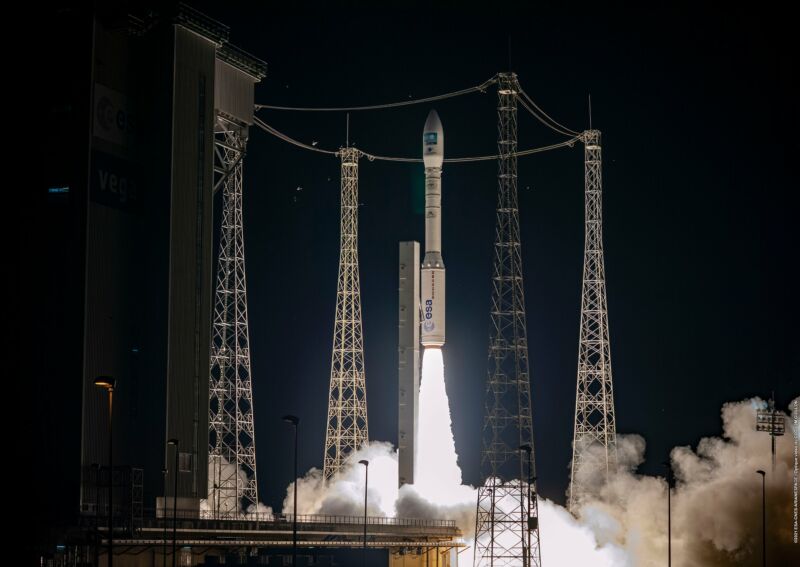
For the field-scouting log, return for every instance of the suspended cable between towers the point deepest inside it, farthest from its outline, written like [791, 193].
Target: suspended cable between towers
[478, 88]
[542, 116]
[524, 99]
[520, 96]
[529, 151]
[280, 135]
[373, 157]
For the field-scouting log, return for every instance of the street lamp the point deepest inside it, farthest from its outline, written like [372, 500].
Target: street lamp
[96, 476]
[491, 491]
[295, 421]
[366, 485]
[763, 518]
[669, 512]
[174, 442]
[108, 383]
[771, 421]
[527, 508]
[164, 560]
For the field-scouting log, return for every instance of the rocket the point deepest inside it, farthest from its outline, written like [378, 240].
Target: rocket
[432, 293]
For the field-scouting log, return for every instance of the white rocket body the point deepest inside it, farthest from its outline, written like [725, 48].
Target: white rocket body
[432, 300]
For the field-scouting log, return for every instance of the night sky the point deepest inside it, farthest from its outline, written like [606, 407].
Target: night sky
[697, 130]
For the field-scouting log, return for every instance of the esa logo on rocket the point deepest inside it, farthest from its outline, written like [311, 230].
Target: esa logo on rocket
[428, 325]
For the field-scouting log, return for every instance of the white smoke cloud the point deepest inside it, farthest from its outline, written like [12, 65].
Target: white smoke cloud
[259, 510]
[343, 494]
[437, 492]
[566, 542]
[716, 503]
[460, 506]
[223, 476]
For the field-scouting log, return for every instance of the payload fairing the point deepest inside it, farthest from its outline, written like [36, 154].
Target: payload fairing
[432, 300]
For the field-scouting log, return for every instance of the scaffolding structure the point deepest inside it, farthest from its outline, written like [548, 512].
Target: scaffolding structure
[507, 524]
[232, 446]
[347, 427]
[595, 435]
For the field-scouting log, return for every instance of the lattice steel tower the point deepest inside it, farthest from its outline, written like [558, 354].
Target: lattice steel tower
[232, 445]
[347, 401]
[507, 527]
[594, 454]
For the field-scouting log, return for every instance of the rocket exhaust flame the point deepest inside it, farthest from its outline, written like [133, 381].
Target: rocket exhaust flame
[436, 462]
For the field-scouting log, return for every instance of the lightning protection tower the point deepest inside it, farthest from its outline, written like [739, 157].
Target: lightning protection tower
[507, 526]
[232, 444]
[347, 400]
[595, 435]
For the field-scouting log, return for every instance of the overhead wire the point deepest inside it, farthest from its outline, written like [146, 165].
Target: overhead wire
[542, 116]
[521, 153]
[374, 157]
[522, 97]
[478, 88]
[538, 117]
[278, 134]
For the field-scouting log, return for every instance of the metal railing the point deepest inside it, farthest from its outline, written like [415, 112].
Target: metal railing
[263, 518]
[371, 520]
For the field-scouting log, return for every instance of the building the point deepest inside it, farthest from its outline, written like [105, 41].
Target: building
[124, 261]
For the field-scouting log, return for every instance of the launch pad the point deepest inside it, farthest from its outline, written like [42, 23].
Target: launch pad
[201, 541]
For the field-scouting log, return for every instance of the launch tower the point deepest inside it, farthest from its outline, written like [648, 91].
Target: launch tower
[594, 441]
[507, 526]
[347, 399]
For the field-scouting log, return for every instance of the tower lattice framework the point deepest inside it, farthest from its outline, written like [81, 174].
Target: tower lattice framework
[594, 442]
[233, 486]
[347, 401]
[507, 529]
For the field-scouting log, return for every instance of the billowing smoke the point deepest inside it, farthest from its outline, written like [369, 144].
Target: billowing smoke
[259, 510]
[566, 542]
[716, 502]
[437, 492]
[222, 480]
[343, 494]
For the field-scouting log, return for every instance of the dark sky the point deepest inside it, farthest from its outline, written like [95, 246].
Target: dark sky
[697, 127]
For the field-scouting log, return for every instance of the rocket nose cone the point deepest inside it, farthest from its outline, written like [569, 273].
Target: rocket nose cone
[433, 124]
[433, 141]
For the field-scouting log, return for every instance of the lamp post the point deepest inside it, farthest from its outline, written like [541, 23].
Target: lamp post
[174, 442]
[528, 450]
[366, 485]
[763, 518]
[164, 559]
[669, 513]
[491, 512]
[108, 383]
[96, 476]
[295, 421]
[218, 485]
